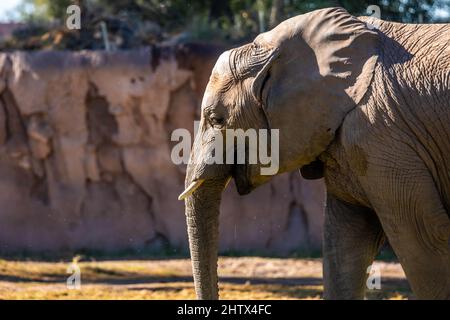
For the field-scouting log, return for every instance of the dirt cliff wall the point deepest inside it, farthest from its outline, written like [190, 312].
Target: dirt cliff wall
[85, 157]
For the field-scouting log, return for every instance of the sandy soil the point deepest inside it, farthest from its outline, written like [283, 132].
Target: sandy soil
[240, 278]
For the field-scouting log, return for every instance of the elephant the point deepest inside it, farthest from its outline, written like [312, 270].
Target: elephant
[363, 103]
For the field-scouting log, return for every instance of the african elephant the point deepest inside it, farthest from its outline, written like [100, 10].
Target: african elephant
[365, 104]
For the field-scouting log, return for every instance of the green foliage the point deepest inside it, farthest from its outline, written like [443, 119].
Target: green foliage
[140, 22]
[43, 10]
[178, 13]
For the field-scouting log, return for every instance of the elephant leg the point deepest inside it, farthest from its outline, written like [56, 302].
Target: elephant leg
[418, 229]
[426, 262]
[352, 238]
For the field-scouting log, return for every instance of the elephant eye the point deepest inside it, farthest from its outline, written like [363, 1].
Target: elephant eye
[216, 120]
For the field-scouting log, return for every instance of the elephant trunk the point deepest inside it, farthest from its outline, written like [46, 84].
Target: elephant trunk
[202, 217]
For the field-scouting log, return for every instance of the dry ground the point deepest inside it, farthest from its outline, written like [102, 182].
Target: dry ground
[241, 278]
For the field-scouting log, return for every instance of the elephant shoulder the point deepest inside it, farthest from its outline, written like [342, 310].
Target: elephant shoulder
[359, 138]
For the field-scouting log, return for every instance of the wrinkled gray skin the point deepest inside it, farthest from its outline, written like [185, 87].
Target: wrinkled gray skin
[368, 109]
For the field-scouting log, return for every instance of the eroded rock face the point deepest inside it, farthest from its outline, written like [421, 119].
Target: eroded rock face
[85, 157]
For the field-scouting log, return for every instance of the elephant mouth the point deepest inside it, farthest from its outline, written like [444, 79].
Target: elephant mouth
[313, 170]
[241, 179]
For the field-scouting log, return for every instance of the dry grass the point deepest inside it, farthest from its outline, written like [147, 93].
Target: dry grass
[241, 278]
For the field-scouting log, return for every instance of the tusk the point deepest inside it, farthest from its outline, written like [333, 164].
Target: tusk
[189, 190]
[226, 183]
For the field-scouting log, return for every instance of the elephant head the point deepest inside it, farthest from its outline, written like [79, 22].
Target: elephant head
[302, 78]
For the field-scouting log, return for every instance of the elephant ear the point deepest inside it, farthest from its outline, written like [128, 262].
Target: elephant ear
[318, 67]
